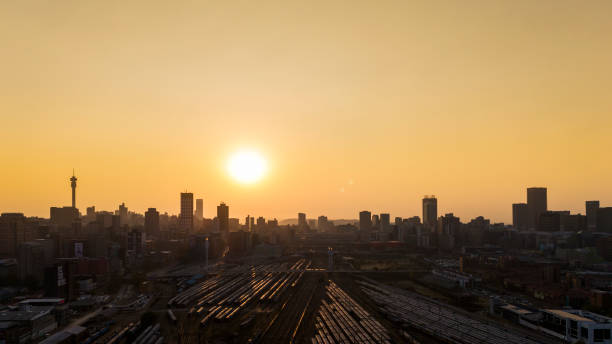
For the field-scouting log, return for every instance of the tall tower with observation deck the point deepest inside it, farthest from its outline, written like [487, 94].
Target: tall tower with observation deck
[73, 181]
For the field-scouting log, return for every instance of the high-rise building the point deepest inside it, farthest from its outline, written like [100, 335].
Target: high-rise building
[365, 221]
[73, 181]
[234, 224]
[385, 222]
[186, 215]
[449, 224]
[604, 219]
[91, 214]
[14, 230]
[375, 222]
[136, 241]
[123, 214]
[536, 205]
[312, 223]
[302, 220]
[261, 222]
[448, 229]
[247, 223]
[591, 212]
[322, 223]
[520, 216]
[63, 217]
[550, 221]
[152, 221]
[223, 218]
[398, 221]
[199, 212]
[573, 223]
[430, 211]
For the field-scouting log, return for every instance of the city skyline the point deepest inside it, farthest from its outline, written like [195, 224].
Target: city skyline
[353, 107]
[187, 204]
[317, 172]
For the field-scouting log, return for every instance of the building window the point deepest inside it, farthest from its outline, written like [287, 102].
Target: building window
[601, 334]
[584, 333]
[573, 329]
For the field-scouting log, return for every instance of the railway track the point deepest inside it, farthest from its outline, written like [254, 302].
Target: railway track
[287, 323]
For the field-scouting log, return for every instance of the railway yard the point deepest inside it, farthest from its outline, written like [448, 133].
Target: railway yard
[293, 300]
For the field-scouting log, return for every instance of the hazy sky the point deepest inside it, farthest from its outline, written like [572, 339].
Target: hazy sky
[355, 104]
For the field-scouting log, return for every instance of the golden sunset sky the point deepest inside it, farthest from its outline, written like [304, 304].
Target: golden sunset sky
[355, 104]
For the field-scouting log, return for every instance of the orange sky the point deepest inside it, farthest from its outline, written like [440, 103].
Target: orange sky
[472, 101]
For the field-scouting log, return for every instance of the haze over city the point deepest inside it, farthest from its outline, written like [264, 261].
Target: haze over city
[317, 172]
[353, 105]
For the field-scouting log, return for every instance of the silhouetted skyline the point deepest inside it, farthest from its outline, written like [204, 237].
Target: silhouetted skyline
[352, 106]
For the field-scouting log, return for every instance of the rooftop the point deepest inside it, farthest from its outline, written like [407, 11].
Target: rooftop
[21, 315]
[579, 315]
[515, 309]
[61, 336]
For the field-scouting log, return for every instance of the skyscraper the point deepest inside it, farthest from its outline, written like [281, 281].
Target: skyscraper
[302, 220]
[365, 221]
[536, 205]
[186, 215]
[151, 221]
[520, 216]
[604, 219]
[73, 181]
[322, 223]
[123, 214]
[591, 213]
[199, 212]
[430, 211]
[223, 218]
[385, 222]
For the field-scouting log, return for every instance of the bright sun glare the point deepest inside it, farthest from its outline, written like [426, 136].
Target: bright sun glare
[247, 166]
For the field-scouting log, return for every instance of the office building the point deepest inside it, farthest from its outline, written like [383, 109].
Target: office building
[449, 224]
[322, 224]
[550, 221]
[520, 216]
[136, 241]
[186, 215]
[123, 214]
[365, 221]
[247, 223]
[448, 229]
[14, 230]
[234, 224]
[536, 205]
[239, 242]
[302, 220]
[604, 219]
[223, 218]
[152, 222]
[199, 212]
[376, 222]
[385, 222]
[591, 213]
[63, 217]
[430, 211]
[573, 222]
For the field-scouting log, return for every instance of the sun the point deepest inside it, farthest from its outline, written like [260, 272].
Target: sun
[247, 167]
